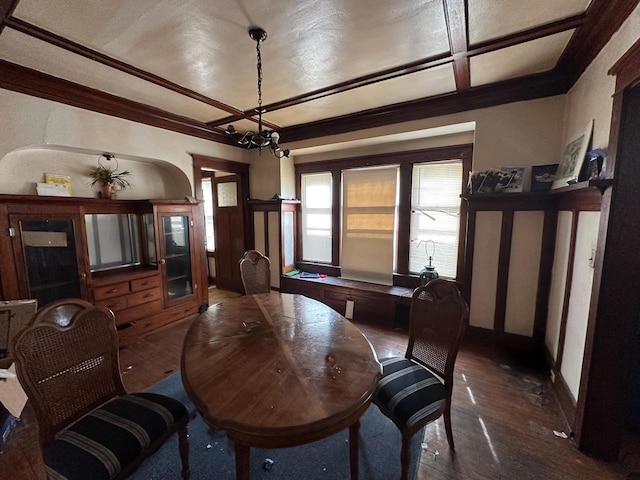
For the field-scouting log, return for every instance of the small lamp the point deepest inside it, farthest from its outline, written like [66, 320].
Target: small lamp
[429, 272]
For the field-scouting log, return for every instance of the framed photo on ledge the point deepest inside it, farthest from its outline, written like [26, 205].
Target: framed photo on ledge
[572, 159]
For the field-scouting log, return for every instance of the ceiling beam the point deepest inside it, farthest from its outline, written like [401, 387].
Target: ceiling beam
[358, 82]
[520, 89]
[73, 47]
[31, 82]
[604, 18]
[460, 60]
[534, 33]
[6, 10]
[456, 16]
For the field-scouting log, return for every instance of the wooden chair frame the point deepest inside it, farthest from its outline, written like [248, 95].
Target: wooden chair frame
[90, 344]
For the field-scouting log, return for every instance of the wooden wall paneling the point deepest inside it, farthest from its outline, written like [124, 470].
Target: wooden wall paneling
[504, 257]
[545, 272]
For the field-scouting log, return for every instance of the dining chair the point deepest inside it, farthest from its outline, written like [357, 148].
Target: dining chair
[90, 427]
[255, 271]
[416, 389]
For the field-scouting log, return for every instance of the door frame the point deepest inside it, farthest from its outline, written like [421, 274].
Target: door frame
[204, 162]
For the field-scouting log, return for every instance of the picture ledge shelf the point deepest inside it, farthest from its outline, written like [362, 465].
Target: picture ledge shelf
[601, 185]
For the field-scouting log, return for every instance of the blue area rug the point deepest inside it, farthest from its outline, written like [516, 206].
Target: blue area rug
[211, 454]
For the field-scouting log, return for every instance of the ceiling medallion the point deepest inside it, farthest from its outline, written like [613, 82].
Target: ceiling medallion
[262, 138]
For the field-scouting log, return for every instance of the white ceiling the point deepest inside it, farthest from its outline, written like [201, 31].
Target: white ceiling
[203, 46]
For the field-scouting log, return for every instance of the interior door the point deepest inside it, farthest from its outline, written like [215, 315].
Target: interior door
[229, 230]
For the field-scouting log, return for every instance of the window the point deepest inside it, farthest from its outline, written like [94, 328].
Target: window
[435, 216]
[395, 210]
[369, 202]
[207, 193]
[316, 217]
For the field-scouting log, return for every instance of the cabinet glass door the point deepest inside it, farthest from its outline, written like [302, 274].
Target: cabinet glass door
[177, 256]
[50, 258]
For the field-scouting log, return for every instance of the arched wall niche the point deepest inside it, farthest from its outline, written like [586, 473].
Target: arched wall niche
[22, 168]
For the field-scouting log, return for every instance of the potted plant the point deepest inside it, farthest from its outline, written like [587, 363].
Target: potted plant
[109, 177]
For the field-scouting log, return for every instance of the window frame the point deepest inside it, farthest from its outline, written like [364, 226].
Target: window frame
[406, 160]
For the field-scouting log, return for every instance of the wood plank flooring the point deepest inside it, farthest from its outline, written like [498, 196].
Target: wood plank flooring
[504, 416]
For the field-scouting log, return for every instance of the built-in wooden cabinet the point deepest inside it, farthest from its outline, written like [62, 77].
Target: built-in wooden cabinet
[274, 225]
[142, 259]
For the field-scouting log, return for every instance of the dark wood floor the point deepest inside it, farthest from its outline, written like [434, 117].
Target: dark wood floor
[504, 416]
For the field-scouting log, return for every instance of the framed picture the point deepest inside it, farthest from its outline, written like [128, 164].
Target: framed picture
[572, 159]
[542, 177]
[515, 179]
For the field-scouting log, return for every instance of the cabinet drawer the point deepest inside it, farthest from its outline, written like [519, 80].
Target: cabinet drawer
[145, 296]
[145, 283]
[114, 304]
[138, 312]
[110, 291]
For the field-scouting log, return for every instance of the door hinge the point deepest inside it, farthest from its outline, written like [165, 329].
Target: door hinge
[12, 232]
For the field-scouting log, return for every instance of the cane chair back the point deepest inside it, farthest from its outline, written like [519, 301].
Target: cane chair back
[68, 370]
[438, 320]
[255, 270]
[90, 427]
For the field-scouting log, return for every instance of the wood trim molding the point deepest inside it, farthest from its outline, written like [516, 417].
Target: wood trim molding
[604, 18]
[525, 88]
[456, 17]
[31, 82]
[463, 151]
[6, 10]
[73, 47]
[566, 401]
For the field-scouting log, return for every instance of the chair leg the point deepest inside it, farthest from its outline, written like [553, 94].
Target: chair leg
[183, 443]
[447, 426]
[405, 457]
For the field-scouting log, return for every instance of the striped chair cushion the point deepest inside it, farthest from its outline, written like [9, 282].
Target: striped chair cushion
[109, 438]
[408, 391]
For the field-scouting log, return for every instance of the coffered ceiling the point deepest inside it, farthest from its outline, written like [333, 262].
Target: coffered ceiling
[330, 66]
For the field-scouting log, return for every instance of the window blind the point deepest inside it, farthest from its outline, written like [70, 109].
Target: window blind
[435, 215]
[369, 202]
[316, 217]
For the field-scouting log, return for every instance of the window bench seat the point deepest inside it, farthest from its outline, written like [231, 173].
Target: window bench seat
[372, 303]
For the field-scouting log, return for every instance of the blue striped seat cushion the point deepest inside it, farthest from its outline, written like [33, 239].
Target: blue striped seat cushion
[109, 438]
[408, 391]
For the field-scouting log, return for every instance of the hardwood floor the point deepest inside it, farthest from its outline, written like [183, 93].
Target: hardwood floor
[504, 416]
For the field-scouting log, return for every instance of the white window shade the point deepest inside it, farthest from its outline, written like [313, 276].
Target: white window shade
[435, 215]
[316, 217]
[368, 224]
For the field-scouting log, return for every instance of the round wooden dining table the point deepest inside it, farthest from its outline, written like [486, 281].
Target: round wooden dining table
[278, 370]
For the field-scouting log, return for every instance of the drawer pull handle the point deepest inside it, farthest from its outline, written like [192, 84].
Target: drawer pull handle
[113, 290]
[147, 295]
[145, 283]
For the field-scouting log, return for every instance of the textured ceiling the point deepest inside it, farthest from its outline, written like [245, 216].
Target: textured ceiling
[193, 61]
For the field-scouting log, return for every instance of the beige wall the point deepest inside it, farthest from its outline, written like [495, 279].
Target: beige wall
[519, 133]
[591, 96]
[40, 136]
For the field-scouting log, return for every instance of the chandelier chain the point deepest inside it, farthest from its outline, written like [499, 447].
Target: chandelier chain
[259, 85]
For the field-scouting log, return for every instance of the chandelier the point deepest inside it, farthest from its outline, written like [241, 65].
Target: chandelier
[262, 138]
